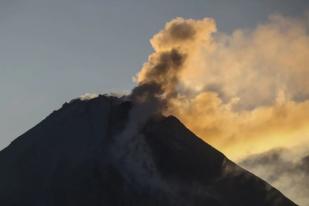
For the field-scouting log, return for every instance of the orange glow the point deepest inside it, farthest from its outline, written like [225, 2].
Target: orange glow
[245, 92]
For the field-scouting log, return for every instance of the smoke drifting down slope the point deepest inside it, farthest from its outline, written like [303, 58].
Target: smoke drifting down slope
[237, 91]
[81, 155]
[286, 169]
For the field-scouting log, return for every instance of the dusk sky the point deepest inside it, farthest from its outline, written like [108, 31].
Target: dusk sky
[53, 51]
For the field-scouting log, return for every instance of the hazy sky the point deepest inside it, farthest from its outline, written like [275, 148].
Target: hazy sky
[54, 50]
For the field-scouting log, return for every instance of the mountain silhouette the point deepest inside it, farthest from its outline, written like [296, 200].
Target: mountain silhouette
[83, 155]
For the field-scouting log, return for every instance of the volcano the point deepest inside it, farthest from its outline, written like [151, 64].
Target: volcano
[83, 155]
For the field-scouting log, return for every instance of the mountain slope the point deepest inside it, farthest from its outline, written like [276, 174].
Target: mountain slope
[82, 154]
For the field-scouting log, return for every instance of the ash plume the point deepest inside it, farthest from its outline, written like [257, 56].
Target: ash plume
[160, 79]
[236, 91]
[160, 76]
[244, 93]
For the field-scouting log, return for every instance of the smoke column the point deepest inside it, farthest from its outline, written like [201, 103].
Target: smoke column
[244, 92]
[158, 80]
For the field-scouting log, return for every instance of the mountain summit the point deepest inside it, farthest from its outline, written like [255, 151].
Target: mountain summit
[86, 154]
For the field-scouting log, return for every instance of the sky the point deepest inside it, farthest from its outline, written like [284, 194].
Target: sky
[53, 51]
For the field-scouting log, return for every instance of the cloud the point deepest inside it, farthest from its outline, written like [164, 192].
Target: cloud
[263, 61]
[244, 92]
[159, 76]
[88, 96]
[286, 169]
[240, 133]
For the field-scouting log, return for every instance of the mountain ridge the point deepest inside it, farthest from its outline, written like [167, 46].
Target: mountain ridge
[79, 155]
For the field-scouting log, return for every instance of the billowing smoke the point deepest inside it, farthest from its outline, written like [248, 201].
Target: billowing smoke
[158, 83]
[244, 92]
[158, 80]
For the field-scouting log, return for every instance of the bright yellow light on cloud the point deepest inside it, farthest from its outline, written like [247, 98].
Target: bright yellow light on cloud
[245, 92]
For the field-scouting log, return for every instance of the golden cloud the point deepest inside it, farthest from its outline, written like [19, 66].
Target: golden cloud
[244, 92]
